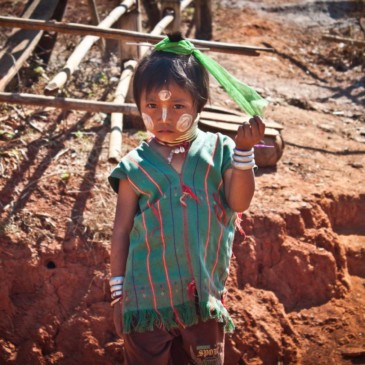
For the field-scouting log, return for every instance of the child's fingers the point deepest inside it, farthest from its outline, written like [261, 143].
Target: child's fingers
[260, 124]
[246, 127]
[254, 127]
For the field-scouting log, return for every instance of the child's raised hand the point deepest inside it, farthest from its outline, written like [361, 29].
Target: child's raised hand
[250, 133]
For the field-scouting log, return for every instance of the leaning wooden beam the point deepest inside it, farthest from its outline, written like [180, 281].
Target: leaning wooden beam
[337, 39]
[81, 50]
[96, 20]
[21, 43]
[68, 103]
[78, 29]
[115, 142]
[94, 12]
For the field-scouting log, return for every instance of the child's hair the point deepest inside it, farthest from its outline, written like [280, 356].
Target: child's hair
[160, 68]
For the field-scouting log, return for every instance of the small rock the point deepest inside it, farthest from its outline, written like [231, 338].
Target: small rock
[327, 128]
[357, 165]
[362, 131]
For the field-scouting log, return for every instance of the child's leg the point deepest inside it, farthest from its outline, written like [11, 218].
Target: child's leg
[148, 348]
[204, 343]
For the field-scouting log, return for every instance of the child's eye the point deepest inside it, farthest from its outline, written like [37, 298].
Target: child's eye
[179, 106]
[151, 106]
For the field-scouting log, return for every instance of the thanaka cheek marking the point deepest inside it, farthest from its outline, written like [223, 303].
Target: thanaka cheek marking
[184, 122]
[164, 95]
[147, 120]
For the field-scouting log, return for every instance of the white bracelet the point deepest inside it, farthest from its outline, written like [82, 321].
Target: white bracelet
[243, 165]
[116, 280]
[243, 158]
[242, 152]
[116, 300]
[114, 288]
[116, 294]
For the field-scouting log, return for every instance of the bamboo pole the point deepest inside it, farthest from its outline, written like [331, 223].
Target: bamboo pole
[115, 141]
[81, 50]
[78, 29]
[69, 103]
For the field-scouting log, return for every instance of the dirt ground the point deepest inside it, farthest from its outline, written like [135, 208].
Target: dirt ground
[297, 285]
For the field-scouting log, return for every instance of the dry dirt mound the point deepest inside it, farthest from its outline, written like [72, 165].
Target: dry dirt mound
[296, 290]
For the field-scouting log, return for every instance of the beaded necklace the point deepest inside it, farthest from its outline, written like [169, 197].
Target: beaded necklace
[175, 148]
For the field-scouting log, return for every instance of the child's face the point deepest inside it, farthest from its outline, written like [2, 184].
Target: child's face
[168, 113]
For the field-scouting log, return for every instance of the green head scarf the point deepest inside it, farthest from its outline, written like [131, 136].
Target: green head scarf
[245, 96]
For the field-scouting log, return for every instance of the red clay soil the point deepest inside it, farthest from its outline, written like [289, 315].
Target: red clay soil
[297, 285]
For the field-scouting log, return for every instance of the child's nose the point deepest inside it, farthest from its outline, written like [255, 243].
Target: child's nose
[164, 114]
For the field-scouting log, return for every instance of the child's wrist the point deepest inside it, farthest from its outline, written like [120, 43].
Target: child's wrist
[243, 159]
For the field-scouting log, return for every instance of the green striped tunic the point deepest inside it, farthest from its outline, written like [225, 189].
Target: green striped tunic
[180, 243]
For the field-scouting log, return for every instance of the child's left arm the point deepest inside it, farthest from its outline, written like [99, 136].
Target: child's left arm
[240, 184]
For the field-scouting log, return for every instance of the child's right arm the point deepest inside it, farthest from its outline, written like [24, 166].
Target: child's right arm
[124, 216]
[127, 204]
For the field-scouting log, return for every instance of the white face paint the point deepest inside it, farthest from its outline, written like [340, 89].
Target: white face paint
[164, 95]
[184, 122]
[164, 114]
[147, 120]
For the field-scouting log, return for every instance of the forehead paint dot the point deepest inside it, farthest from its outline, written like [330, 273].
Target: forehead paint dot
[184, 122]
[147, 120]
[164, 95]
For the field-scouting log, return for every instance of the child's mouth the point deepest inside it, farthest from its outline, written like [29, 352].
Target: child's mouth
[165, 131]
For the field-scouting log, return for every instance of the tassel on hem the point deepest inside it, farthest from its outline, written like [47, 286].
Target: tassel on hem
[147, 320]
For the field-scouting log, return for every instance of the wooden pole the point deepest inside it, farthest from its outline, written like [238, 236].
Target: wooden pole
[172, 7]
[96, 20]
[337, 39]
[81, 50]
[131, 21]
[115, 142]
[203, 19]
[78, 29]
[21, 43]
[47, 42]
[68, 103]
[152, 11]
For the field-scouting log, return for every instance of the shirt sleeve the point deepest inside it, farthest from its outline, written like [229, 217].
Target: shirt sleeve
[228, 147]
[118, 173]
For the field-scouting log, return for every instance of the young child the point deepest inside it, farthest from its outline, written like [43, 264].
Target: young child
[178, 194]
